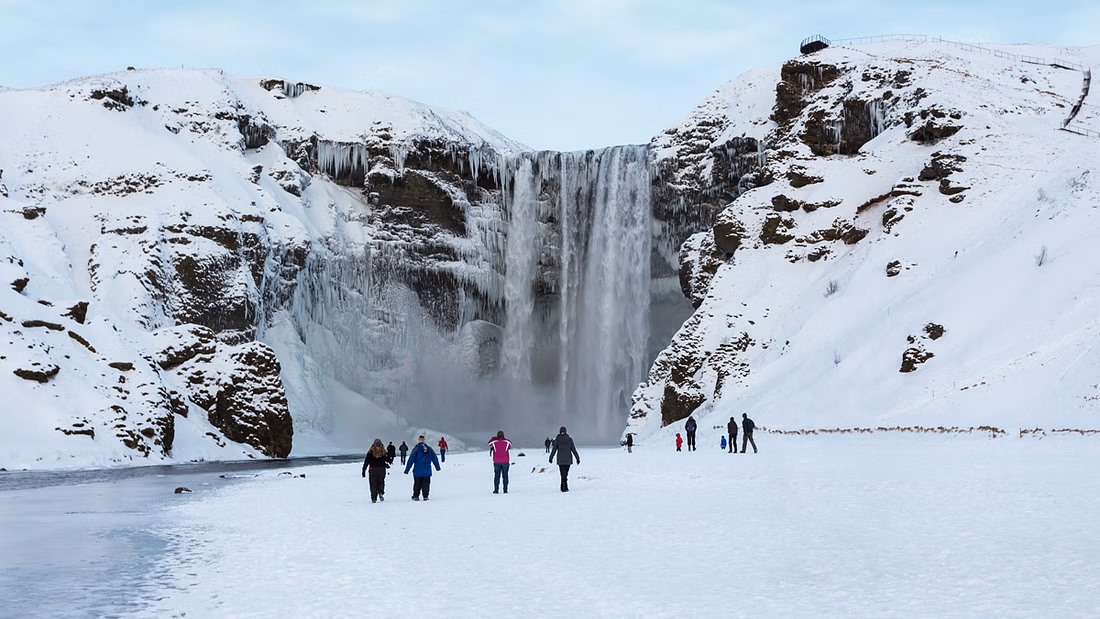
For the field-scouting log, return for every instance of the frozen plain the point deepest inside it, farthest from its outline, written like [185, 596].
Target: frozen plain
[879, 525]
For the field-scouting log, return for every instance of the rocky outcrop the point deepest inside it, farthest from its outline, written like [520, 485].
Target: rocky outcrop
[239, 387]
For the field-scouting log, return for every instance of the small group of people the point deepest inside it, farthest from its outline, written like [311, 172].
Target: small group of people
[380, 458]
[747, 427]
[423, 459]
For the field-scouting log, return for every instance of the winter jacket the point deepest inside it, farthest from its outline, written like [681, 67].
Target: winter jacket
[732, 428]
[391, 451]
[565, 450]
[723, 442]
[679, 441]
[499, 447]
[442, 444]
[376, 463]
[629, 440]
[690, 426]
[404, 448]
[422, 458]
[748, 425]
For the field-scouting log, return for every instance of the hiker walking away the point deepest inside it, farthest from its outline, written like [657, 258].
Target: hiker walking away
[391, 452]
[731, 427]
[566, 451]
[404, 449]
[679, 441]
[442, 449]
[377, 461]
[691, 427]
[548, 441]
[747, 426]
[629, 442]
[421, 462]
[498, 449]
[723, 441]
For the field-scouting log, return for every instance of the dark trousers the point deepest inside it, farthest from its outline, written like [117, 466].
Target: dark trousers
[745, 441]
[564, 476]
[403, 457]
[377, 477]
[421, 485]
[500, 469]
[628, 446]
[691, 441]
[547, 449]
[733, 444]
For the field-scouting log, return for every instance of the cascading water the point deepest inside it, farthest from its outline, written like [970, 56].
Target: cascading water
[539, 317]
[521, 258]
[599, 299]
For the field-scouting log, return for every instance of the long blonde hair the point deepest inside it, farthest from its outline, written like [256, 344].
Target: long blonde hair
[377, 450]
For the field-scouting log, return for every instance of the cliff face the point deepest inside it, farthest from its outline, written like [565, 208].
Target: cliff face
[873, 261]
[242, 249]
[263, 251]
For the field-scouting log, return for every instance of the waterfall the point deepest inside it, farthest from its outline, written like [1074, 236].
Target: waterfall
[537, 316]
[597, 241]
[521, 256]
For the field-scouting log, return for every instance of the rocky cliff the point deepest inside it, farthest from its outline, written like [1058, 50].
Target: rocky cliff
[874, 260]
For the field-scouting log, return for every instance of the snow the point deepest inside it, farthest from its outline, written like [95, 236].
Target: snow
[827, 525]
[1019, 349]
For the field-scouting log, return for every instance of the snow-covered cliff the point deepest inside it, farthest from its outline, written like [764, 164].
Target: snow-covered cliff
[911, 244]
[281, 266]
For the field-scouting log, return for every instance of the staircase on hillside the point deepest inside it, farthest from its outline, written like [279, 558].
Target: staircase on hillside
[819, 42]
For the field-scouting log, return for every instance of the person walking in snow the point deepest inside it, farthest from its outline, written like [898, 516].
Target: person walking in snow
[421, 462]
[391, 452]
[679, 441]
[723, 441]
[499, 449]
[547, 443]
[691, 427]
[731, 427]
[377, 461]
[404, 449]
[747, 426]
[442, 449]
[566, 451]
[629, 441]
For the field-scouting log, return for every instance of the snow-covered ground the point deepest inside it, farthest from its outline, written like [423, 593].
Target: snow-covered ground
[841, 525]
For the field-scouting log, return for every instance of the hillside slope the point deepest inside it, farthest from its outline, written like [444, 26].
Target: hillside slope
[914, 246]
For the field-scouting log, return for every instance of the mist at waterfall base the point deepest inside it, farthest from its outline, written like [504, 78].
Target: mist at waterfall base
[575, 312]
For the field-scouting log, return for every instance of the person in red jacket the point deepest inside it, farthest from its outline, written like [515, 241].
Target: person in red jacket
[679, 441]
[499, 449]
[442, 449]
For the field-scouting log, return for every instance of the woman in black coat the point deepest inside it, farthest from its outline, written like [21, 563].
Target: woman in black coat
[377, 461]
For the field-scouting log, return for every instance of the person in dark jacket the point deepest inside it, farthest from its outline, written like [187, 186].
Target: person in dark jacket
[691, 427]
[421, 462]
[629, 442]
[747, 426]
[566, 451]
[391, 452]
[547, 443]
[731, 427]
[377, 461]
[404, 449]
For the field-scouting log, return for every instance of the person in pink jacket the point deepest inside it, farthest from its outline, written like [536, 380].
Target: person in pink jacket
[499, 448]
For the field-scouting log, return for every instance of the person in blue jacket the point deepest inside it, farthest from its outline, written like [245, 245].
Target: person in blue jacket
[420, 461]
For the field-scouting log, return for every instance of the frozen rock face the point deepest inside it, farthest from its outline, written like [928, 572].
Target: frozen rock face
[860, 195]
[359, 263]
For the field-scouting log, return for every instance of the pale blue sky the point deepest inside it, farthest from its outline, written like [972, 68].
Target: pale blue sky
[554, 74]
